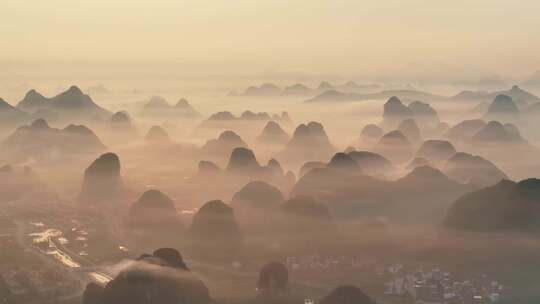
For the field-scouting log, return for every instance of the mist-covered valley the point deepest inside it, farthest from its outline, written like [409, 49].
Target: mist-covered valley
[330, 192]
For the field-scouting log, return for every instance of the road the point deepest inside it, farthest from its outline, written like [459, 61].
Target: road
[81, 273]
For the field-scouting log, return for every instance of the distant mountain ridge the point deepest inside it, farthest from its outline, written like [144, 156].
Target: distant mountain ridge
[158, 106]
[516, 93]
[299, 89]
[248, 116]
[38, 140]
[335, 96]
[71, 99]
[70, 104]
[10, 114]
[33, 100]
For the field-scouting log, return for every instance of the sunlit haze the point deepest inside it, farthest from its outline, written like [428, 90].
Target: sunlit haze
[366, 39]
[269, 152]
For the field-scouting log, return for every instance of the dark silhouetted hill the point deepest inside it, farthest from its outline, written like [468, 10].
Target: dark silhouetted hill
[33, 101]
[306, 222]
[275, 167]
[122, 130]
[395, 111]
[158, 107]
[394, 108]
[214, 226]
[309, 141]
[435, 150]
[506, 206]
[246, 116]
[325, 86]
[208, 168]
[92, 293]
[371, 134]
[395, 146]
[497, 133]
[502, 104]
[160, 278]
[223, 145]
[296, 90]
[475, 169]
[273, 286]
[409, 129]
[157, 102]
[465, 130]
[425, 178]
[310, 165]
[273, 134]
[343, 161]
[371, 163]
[257, 195]
[120, 118]
[249, 115]
[69, 105]
[423, 192]
[243, 161]
[273, 276]
[184, 109]
[10, 115]
[423, 111]
[265, 89]
[102, 180]
[157, 134]
[418, 162]
[347, 294]
[306, 207]
[39, 141]
[154, 209]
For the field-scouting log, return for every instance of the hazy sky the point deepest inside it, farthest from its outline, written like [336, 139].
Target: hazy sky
[347, 37]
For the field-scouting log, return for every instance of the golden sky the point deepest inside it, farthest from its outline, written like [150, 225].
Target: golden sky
[314, 36]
